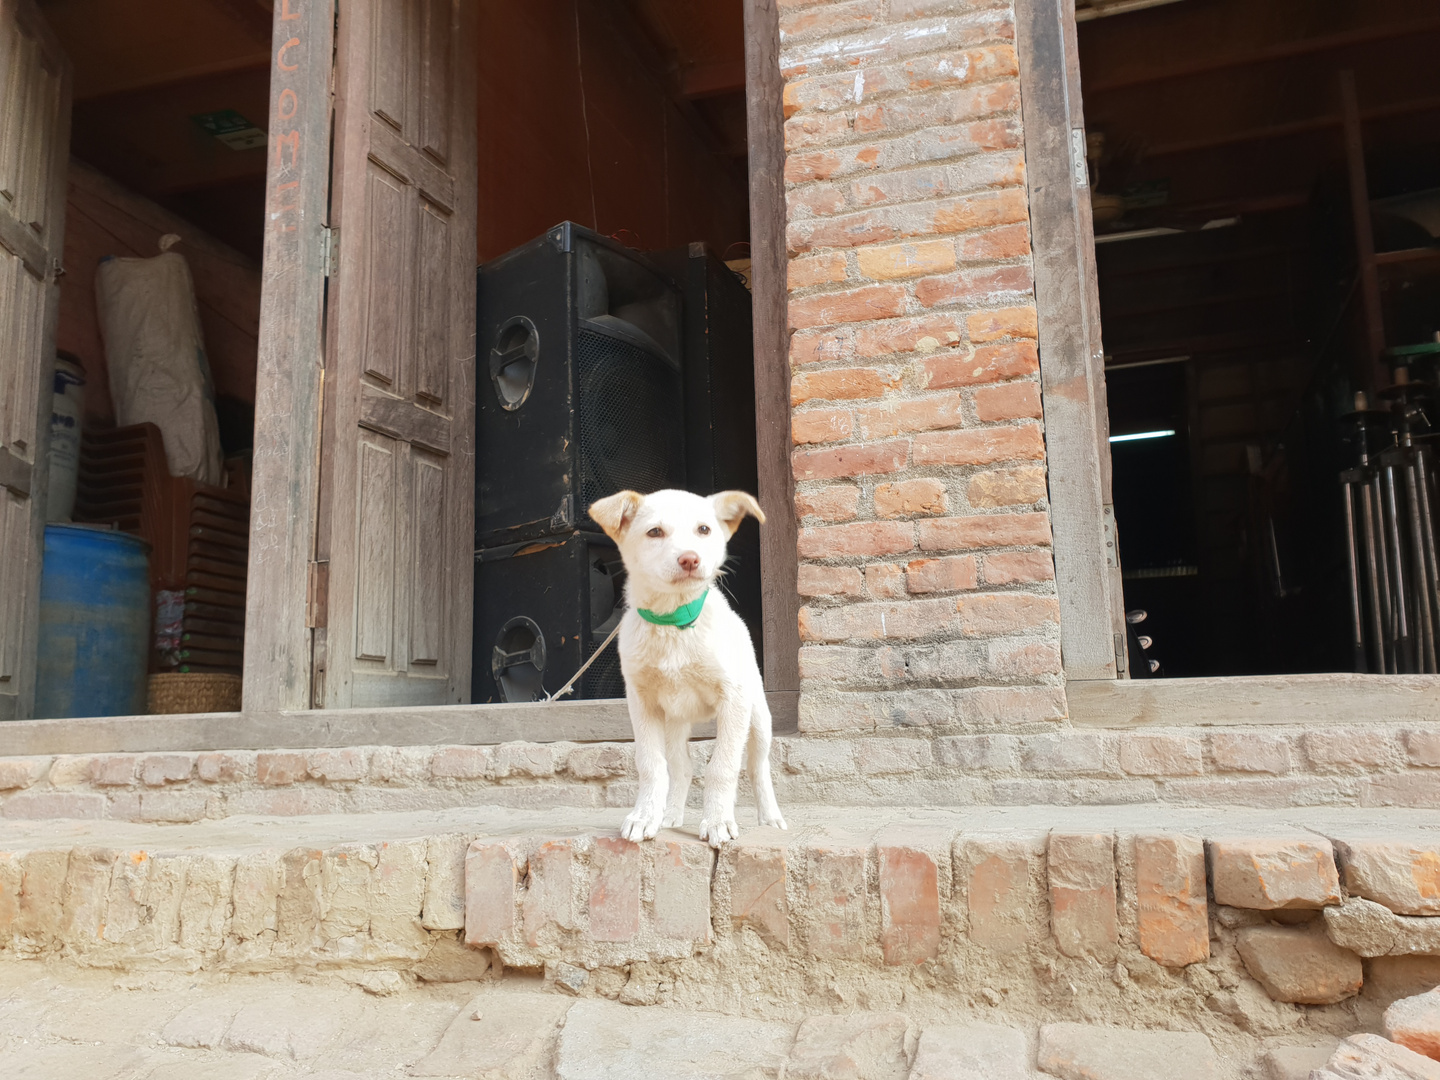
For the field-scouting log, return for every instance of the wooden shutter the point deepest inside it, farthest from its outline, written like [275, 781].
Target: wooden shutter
[34, 145]
[397, 462]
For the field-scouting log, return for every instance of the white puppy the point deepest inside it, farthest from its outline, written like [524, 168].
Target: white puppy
[687, 657]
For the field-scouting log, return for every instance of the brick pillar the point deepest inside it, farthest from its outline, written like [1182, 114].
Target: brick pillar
[925, 563]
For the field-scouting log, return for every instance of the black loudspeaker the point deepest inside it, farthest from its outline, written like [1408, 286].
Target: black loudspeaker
[580, 392]
[719, 371]
[541, 608]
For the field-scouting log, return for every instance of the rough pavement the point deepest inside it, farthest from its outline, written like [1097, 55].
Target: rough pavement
[62, 1022]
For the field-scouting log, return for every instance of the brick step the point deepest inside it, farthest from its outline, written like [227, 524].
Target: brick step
[1212, 906]
[1274, 765]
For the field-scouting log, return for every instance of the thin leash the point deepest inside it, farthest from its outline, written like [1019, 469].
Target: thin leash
[584, 667]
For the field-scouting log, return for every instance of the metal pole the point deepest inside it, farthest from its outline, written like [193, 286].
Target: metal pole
[1419, 571]
[1357, 624]
[1424, 473]
[1375, 519]
[1404, 646]
[1372, 576]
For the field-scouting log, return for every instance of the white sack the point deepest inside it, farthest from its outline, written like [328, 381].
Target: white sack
[158, 370]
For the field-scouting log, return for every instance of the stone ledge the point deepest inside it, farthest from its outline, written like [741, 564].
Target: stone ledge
[1280, 766]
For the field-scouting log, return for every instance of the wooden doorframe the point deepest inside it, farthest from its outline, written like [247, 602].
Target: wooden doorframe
[290, 368]
[779, 558]
[1072, 361]
[40, 257]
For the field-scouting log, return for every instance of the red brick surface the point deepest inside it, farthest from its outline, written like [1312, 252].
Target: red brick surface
[915, 367]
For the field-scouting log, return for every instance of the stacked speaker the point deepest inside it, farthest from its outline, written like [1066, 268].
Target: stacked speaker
[594, 376]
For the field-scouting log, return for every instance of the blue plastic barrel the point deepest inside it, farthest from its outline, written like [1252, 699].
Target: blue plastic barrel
[94, 623]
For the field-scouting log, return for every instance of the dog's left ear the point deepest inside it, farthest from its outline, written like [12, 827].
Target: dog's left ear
[731, 508]
[614, 512]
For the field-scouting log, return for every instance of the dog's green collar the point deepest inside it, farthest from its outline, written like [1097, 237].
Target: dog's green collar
[684, 616]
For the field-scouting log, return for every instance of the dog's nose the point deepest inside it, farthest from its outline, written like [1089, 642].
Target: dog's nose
[689, 561]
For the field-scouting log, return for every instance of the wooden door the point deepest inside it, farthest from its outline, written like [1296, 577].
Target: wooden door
[397, 461]
[34, 145]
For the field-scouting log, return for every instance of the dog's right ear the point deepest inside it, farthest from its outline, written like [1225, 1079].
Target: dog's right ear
[615, 512]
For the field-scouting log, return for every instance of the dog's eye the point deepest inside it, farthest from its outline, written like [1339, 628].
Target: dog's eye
[657, 531]
[703, 530]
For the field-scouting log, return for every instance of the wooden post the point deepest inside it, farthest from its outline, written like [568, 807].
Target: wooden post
[1072, 372]
[1372, 374]
[779, 559]
[291, 359]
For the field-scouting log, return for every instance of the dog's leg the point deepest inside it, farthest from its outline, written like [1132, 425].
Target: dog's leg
[766, 808]
[644, 820]
[677, 757]
[722, 775]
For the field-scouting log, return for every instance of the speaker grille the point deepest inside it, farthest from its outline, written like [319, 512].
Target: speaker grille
[604, 679]
[629, 414]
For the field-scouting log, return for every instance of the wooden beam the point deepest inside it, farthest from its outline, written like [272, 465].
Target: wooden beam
[1372, 371]
[1072, 378]
[1169, 70]
[255, 19]
[159, 78]
[713, 79]
[1296, 700]
[435, 725]
[637, 35]
[1328, 122]
[779, 557]
[291, 358]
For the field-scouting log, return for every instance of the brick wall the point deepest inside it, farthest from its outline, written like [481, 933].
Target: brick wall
[925, 567]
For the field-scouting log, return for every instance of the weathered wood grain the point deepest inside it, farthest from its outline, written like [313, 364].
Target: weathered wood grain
[290, 362]
[779, 560]
[397, 488]
[574, 721]
[1254, 699]
[36, 80]
[1071, 357]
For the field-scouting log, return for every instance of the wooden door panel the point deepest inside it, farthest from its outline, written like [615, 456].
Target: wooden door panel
[432, 307]
[390, 48]
[23, 55]
[14, 573]
[34, 144]
[438, 49]
[387, 315]
[400, 358]
[427, 593]
[375, 542]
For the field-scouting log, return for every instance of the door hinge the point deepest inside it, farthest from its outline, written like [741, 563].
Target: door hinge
[317, 593]
[1078, 160]
[330, 252]
[1108, 537]
[1120, 655]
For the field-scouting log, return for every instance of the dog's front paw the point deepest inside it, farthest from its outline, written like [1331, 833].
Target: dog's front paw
[719, 831]
[773, 820]
[640, 826]
[673, 819]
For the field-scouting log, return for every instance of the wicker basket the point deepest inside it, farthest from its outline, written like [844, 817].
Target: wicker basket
[194, 692]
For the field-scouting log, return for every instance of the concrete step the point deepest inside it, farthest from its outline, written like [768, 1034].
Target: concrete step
[1275, 765]
[1207, 909]
[60, 1023]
